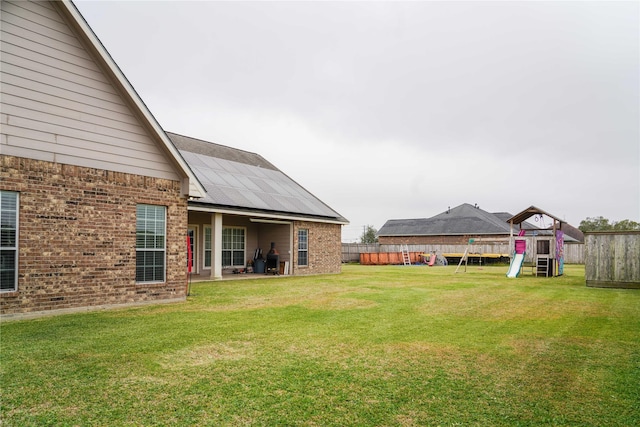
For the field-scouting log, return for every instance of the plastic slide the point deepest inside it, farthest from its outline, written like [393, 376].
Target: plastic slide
[432, 260]
[514, 268]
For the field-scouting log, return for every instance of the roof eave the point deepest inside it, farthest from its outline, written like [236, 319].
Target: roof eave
[289, 216]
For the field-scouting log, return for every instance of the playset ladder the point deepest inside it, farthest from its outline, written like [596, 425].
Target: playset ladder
[542, 266]
[406, 258]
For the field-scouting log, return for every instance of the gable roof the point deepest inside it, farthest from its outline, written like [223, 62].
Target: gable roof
[461, 220]
[467, 220]
[77, 21]
[528, 213]
[246, 183]
[569, 230]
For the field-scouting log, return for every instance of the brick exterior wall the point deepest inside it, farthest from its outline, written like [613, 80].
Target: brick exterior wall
[325, 248]
[77, 236]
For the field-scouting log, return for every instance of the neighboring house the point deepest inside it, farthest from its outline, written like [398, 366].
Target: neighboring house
[250, 205]
[96, 200]
[454, 226]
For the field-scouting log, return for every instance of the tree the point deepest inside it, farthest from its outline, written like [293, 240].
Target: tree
[626, 225]
[369, 235]
[596, 223]
[602, 224]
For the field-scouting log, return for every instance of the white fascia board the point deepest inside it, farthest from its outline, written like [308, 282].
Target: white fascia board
[264, 215]
[195, 188]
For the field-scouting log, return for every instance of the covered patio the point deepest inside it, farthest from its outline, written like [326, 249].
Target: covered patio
[250, 209]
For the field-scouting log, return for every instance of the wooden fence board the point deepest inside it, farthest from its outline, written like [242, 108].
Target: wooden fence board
[612, 259]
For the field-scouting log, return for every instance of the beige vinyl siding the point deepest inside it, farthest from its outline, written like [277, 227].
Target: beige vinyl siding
[59, 105]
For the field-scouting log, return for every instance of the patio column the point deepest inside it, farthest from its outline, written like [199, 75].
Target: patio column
[216, 231]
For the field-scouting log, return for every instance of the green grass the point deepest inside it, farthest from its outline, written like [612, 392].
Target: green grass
[373, 346]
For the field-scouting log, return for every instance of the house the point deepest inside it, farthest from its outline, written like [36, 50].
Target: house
[467, 230]
[93, 194]
[251, 206]
[97, 201]
[456, 226]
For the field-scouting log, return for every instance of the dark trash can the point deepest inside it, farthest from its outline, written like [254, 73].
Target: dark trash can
[258, 266]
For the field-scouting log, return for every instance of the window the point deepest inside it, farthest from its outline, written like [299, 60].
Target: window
[303, 247]
[207, 246]
[192, 232]
[232, 247]
[8, 241]
[150, 243]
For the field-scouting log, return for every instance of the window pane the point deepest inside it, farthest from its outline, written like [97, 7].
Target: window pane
[302, 258]
[8, 240]
[140, 266]
[238, 258]
[303, 241]
[8, 201]
[207, 246]
[207, 237]
[226, 258]
[226, 239]
[7, 270]
[159, 242]
[7, 217]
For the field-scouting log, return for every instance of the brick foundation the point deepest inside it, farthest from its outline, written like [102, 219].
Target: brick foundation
[77, 236]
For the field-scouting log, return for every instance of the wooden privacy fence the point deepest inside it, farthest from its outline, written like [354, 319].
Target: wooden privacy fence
[375, 253]
[612, 259]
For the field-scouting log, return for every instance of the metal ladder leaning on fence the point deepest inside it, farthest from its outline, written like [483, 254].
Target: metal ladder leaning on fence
[406, 258]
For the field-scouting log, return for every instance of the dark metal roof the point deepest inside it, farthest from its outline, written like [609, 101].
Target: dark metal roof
[242, 180]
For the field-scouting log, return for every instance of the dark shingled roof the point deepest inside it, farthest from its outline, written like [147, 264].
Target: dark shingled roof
[462, 220]
[242, 180]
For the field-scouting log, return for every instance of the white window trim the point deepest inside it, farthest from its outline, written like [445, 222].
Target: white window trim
[164, 272]
[303, 250]
[14, 248]
[244, 254]
[204, 247]
[195, 228]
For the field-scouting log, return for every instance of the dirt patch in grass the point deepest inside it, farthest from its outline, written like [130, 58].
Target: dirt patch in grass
[207, 354]
[327, 298]
[338, 303]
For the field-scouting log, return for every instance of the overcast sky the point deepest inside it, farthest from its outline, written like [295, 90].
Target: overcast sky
[391, 110]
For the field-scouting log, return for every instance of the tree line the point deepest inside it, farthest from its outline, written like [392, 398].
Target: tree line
[599, 223]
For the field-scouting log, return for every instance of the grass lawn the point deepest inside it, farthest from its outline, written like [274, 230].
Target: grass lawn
[373, 346]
